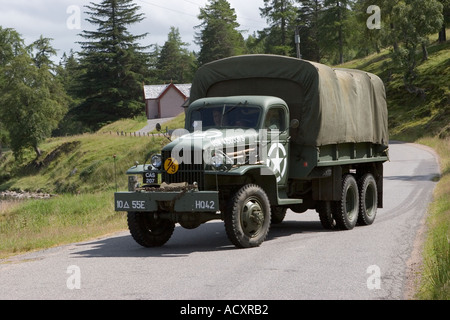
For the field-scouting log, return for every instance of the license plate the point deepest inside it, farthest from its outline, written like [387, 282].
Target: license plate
[151, 178]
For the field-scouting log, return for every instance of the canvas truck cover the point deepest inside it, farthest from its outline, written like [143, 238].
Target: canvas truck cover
[333, 105]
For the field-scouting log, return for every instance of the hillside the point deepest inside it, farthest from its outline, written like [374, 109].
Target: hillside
[413, 116]
[82, 164]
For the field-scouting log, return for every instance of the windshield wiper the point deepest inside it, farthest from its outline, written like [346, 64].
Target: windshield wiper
[234, 107]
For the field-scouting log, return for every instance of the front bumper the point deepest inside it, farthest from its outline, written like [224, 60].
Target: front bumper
[171, 201]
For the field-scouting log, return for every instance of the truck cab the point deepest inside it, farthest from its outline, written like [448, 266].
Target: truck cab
[231, 164]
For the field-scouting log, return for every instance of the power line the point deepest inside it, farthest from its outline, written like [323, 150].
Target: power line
[169, 9]
[194, 3]
[196, 16]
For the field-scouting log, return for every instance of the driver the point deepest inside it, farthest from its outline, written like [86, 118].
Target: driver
[272, 120]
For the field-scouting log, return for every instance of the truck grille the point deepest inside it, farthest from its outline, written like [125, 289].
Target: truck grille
[189, 173]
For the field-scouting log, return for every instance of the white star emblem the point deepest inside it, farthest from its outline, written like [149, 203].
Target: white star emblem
[276, 161]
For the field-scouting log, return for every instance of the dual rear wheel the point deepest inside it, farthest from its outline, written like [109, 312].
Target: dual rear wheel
[358, 204]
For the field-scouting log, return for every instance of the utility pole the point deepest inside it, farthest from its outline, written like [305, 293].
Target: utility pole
[297, 42]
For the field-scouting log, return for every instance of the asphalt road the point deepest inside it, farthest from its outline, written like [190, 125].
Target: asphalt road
[299, 260]
[151, 125]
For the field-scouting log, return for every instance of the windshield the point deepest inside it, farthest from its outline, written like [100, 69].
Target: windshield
[226, 116]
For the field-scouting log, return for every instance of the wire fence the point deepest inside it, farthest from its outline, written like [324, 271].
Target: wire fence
[139, 134]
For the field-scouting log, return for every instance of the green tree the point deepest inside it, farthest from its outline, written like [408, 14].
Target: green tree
[69, 71]
[32, 102]
[41, 51]
[335, 38]
[414, 21]
[3, 138]
[368, 40]
[219, 36]
[175, 62]
[281, 16]
[446, 23]
[11, 45]
[255, 44]
[309, 15]
[114, 64]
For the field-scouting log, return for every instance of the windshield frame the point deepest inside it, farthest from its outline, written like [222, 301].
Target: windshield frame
[227, 116]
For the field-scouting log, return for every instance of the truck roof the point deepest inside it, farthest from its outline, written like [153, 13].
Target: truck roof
[333, 105]
[263, 101]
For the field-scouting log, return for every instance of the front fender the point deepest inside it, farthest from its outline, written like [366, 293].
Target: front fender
[139, 169]
[261, 175]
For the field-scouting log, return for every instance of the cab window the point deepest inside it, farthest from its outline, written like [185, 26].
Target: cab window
[275, 119]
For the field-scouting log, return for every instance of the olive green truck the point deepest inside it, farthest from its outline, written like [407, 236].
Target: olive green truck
[264, 134]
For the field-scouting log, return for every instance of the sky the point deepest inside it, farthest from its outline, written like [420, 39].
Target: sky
[64, 20]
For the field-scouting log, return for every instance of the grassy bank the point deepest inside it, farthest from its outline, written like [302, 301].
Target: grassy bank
[83, 171]
[68, 218]
[435, 280]
[77, 164]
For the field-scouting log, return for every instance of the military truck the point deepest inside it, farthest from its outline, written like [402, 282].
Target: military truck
[264, 134]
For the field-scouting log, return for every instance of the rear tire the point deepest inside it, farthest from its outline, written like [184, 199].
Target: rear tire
[325, 211]
[368, 200]
[148, 231]
[347, 209]
[247, 218]
[278, 214]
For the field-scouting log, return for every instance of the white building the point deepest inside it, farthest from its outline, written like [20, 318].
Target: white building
[165, 101]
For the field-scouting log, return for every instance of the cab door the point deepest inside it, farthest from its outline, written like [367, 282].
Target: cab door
[277, 129]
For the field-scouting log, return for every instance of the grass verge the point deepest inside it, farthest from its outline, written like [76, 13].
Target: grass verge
[68, 218]
[435, 280]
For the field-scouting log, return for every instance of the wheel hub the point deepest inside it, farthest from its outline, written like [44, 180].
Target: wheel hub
[252, 218]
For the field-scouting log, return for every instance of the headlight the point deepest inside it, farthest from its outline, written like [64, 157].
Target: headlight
[217, 161]
[157, 161]
[221, 161]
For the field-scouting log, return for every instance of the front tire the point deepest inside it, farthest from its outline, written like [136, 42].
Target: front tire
[247, 219]
[148, 231]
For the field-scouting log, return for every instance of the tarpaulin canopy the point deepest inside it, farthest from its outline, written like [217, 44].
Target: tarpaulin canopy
[333, 105]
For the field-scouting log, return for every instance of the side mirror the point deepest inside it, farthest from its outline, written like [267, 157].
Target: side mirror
[294, 124]
[158, 126]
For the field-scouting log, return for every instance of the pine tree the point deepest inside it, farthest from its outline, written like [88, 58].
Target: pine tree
[219, 36]
[175, 62]
[309, 15]
[114, 64]
[41, 50]
[281, 16]
[446, 23]
[335, 17]
[414, 21]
